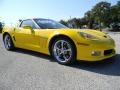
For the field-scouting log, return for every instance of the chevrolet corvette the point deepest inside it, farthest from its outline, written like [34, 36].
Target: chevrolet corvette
[64, 44]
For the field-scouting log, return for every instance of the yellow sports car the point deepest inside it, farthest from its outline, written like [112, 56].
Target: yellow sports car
[64, 44]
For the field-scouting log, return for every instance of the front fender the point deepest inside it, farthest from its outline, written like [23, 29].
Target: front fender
[70, 34]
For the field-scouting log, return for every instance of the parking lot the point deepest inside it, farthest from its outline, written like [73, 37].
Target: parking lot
[27, 70]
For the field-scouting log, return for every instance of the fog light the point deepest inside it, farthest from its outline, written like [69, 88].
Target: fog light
[96, 53]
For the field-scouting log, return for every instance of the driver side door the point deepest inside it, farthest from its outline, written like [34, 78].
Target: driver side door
[27, 38]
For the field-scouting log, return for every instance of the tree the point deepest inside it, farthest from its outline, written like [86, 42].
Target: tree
[74, 23]
[101, 11]
[118, 8]
[115, 13]
[89, 19]
[64, 22]
[115, 17]
[102, 14]
[77, 22]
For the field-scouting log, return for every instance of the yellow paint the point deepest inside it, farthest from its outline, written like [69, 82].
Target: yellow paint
[38, 40]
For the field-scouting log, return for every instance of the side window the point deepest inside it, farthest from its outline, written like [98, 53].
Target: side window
[28, 22]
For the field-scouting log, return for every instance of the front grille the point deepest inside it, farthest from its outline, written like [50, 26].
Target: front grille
[107, 52]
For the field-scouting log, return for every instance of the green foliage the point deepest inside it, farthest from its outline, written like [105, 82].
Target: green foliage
[101, 15]
[115, 13]
[64, 22]
[89, 17]
[101, 10]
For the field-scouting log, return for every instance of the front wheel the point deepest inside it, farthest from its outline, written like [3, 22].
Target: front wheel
[8, 43]
[63, 50]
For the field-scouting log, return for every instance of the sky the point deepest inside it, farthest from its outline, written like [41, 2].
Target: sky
[13, 10]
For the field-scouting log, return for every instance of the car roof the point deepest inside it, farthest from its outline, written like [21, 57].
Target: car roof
[33, 19]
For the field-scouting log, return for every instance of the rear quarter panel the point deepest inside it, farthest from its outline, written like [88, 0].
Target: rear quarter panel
[9, 30]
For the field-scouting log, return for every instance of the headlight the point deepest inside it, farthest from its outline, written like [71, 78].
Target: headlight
[88, 36]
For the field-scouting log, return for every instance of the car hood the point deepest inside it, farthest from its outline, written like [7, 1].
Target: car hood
[89, 31]
[101, 35]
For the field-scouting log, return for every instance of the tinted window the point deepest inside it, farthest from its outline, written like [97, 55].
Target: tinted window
[28, 23]
[48, 24]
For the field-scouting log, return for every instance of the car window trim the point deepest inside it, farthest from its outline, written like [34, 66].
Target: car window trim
[36, 26]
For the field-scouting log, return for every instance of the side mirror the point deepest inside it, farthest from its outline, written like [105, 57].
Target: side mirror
[27, 27]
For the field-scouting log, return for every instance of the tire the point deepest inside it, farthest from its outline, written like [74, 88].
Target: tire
[8, 43]
[64, 51]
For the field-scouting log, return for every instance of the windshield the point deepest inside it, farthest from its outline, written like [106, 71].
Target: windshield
[48, 24]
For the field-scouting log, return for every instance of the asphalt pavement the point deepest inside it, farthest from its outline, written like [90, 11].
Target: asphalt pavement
[28, 70]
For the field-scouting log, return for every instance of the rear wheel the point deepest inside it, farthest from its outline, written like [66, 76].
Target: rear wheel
[8, 43]
[63, 50]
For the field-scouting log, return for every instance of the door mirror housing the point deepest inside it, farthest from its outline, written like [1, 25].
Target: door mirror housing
[27, 27]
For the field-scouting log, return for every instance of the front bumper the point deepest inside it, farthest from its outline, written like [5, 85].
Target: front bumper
[95, 52]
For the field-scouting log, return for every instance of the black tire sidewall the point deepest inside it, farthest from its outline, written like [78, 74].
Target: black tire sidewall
[11, 42]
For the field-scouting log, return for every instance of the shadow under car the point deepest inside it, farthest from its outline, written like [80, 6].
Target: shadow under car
[110, 66]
